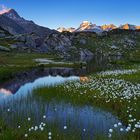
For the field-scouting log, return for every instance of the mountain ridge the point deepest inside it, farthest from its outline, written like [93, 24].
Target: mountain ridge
[20, 35]
[90, 27]
[84, 26]
[26, 26]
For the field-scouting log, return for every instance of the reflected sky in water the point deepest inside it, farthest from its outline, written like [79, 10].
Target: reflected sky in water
[40, 82]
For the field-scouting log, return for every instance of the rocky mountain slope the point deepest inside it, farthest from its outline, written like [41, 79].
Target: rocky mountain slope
[20, 35]
[12, 22]
[115, 42]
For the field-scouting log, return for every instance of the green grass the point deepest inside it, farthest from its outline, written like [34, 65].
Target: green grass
[76, 96]
[28, 59]
[22, 58]
[6, 42]
[9, 72]
[60, 93]
[18, 134]
[134, 78]
[11, 63]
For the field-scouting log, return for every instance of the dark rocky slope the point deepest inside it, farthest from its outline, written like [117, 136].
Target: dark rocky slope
[20, 35]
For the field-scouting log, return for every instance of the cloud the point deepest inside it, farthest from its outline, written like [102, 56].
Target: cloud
[3, 9]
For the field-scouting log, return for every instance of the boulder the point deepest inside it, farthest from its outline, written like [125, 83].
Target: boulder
[85, 53]
[13, 46]
[58, 43]
[30, 42]
[2, 35]
[20, 38]
[83, 41]
[2, 48]
[114, 47]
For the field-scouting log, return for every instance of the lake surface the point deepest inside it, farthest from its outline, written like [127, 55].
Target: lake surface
[16, 95]
[95, 64]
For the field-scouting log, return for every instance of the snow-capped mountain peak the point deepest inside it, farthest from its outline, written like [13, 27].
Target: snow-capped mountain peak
[19, 25]
[87, 26]
[128, 27]
[86, 23]
[4, 9]
[62, 29]
[108, 27]
[12, 14]
[138, 27]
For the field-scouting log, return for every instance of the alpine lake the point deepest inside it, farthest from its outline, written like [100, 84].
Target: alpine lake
[66, 99]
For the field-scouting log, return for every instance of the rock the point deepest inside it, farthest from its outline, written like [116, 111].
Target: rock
[2, 35]
[58, 43]
[20, 44]
[20, 38]
[114, 47]
[1, 30]
[30, 42]
[119, 54]
[82, 41]
[2, 48]
[44, 48]
[13, 46]
[12, 22]
[85, 53]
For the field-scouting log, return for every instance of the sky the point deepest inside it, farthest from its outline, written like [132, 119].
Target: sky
[70, 13]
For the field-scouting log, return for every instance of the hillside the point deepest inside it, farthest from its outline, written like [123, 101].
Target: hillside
[20, 35]
[115, 42]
